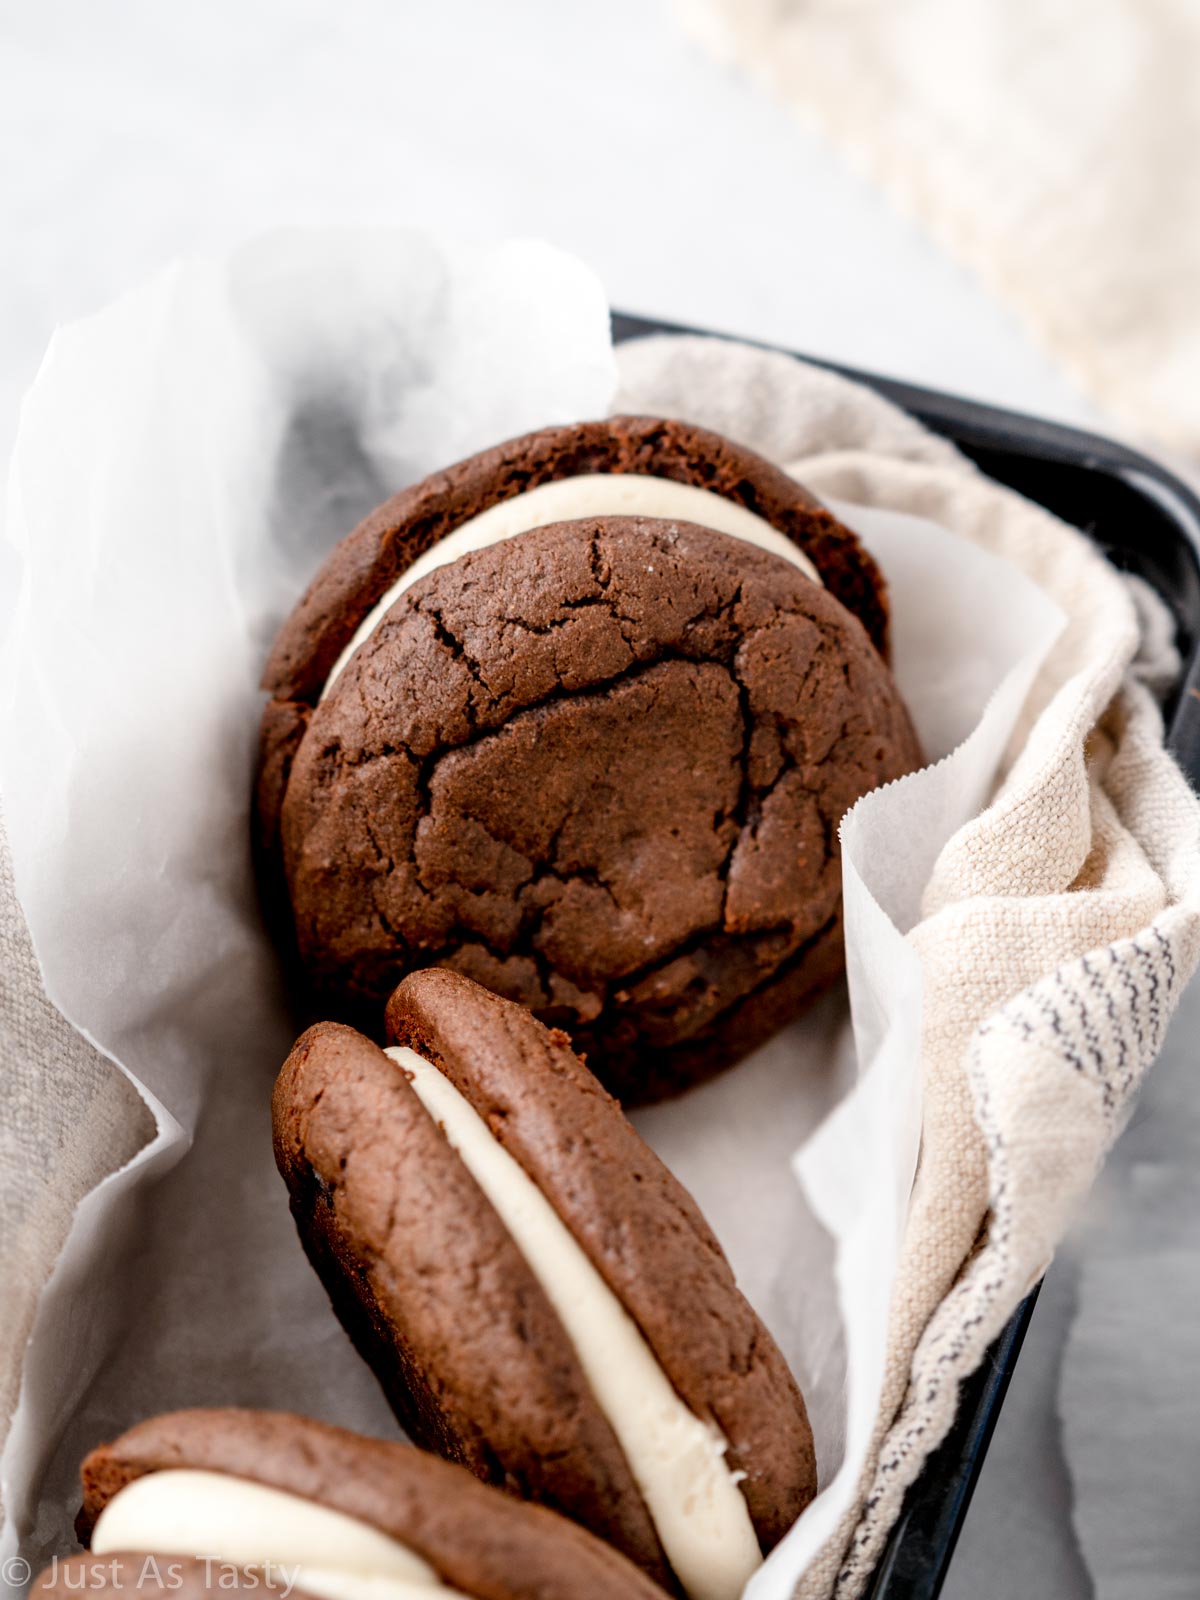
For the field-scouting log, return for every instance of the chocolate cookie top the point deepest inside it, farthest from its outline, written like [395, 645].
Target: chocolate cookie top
[393, 1212]
[480, 1543]
[598, 768]
[368, 561]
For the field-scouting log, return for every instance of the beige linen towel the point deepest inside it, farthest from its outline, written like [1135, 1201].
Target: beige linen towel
[1052, 147]
[1058, 927]
[70, 1118]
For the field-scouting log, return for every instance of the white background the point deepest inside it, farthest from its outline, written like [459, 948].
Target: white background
[135, 132]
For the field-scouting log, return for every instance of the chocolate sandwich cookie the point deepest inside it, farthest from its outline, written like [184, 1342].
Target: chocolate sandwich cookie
[598, 766]
[540, 1299]
[216, 1501]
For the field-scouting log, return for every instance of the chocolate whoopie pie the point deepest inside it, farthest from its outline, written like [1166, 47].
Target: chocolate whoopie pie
[593, 758]
[540, 1299]
[227, 1499]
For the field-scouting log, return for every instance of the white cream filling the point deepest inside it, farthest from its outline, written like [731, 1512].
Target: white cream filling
[676, 1460]
[290, 1542]
[591, 494]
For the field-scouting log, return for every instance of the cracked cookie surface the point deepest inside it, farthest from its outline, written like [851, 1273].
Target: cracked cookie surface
[598, 768]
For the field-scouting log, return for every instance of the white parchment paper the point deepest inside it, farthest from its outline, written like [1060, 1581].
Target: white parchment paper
[184, 461]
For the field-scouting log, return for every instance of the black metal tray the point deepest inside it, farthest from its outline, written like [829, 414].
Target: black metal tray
[1146, 521]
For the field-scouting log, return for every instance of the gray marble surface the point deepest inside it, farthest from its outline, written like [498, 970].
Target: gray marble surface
[133, 132]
